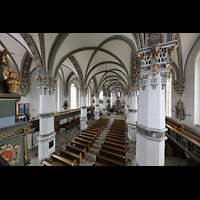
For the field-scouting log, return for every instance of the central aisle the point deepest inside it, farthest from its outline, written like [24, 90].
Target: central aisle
[87, 160]
[130, 153]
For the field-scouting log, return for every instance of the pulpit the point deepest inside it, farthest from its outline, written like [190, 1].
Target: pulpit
[13, 132]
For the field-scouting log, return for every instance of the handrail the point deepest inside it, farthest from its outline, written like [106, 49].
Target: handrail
[183, 135]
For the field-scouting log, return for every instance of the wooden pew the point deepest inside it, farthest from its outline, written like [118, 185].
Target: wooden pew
[112, 155]
[71, 155]
[83, 141]
[108, 161]
[117, 134]
[61, 161]
[113, 149]
[80, 145]
[48, 163]
[87, 138]
[93, 133]
[98, 164]
[75, 149]
[122, 142]
[115, 137]
[89, 134]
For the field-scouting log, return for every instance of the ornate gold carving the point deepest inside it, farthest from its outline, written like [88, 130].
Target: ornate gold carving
[12, 80]
[13, 133]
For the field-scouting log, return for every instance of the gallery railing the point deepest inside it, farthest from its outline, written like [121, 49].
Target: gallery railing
[188, 142]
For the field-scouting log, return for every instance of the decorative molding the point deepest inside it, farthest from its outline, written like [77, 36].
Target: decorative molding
[14, 132]
[83, 92]
[83, 107]
[151, 133]
[46, 83]
[45, 115]
[132, 110]
[155, 60]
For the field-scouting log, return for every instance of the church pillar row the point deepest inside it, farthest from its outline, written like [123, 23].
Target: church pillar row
[96, 107]
[150, 126]
[83, 119]
[133, 92]
[46, 139]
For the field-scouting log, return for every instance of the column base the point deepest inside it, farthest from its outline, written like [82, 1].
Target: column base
[83, 123]
[96, 116]
[132, 132]
[150, 151]
[46, 146]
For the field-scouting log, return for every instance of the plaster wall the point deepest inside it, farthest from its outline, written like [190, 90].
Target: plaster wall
[189, 95]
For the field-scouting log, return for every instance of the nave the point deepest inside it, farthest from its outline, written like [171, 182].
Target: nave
[68, 135]
[63, 137]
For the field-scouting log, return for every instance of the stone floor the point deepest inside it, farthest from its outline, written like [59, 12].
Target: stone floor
[66, 136]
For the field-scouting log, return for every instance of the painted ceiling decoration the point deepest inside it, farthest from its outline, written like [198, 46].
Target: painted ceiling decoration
[103, 61]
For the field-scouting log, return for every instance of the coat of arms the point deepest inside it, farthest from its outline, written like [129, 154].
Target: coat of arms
[10, 153]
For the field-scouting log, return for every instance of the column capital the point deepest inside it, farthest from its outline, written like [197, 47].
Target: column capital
[156, 60]
[46, 83]
[83, 92]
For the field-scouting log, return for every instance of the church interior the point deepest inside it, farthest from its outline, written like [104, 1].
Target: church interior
[100, 99]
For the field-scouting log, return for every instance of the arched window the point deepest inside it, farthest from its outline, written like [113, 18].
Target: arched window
[101, 95]
[88, 98]
[73, 96]
[169, 95]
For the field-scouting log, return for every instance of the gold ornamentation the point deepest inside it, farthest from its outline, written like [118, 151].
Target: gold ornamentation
[12, 80]
[13, 133]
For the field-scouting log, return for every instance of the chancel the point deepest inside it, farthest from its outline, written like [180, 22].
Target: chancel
[99, 99]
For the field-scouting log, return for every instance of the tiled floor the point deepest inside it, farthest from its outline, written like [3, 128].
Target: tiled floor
[66, 136]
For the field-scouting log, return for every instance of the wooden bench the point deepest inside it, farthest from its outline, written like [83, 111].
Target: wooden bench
[95, 163]
[122, 142]
[94, 129]
[71, 155]
[61, 161]
[107, 161]
[81, 145]
[76, 149]
[87, 138]
[48, 163]
[83, 141]
[115, 137]
[89, 134]
[112, 155]
[117, 134]
[113, 149]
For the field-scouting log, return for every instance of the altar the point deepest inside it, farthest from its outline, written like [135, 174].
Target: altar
[118, 105]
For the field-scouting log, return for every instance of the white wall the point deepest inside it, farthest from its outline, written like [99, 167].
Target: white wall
[188, 96]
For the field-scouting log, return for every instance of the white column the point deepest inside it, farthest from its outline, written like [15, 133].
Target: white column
[150, 145]
[96, 114]
[133, 92]
[83, 118]
[46, 139]
[154, 67]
